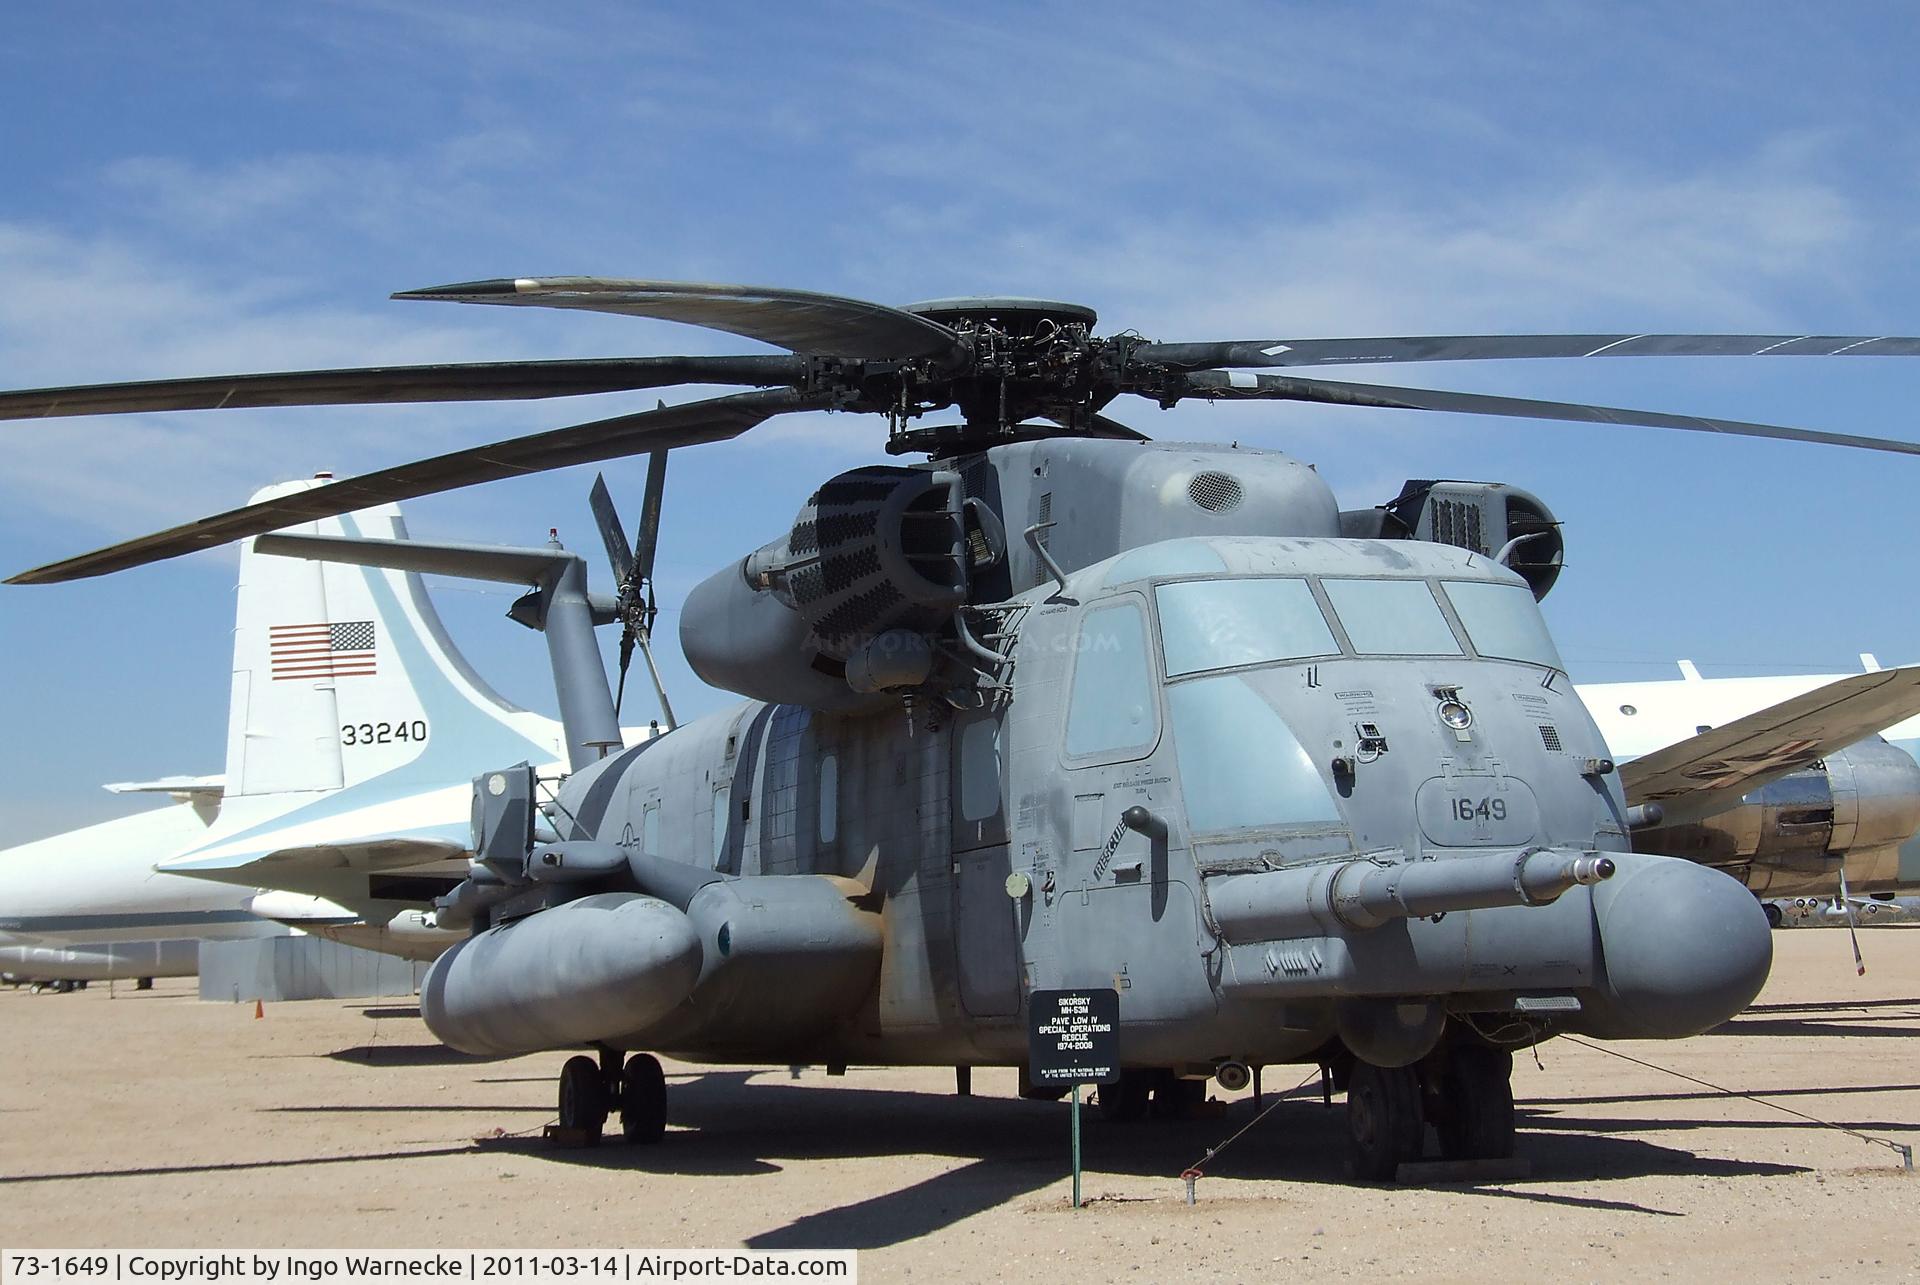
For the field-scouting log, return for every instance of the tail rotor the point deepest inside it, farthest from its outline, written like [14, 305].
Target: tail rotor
[634, 601]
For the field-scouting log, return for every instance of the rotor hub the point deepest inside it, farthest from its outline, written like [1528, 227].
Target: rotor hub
[1020, 318]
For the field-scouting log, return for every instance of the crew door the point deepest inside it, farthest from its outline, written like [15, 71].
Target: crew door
[985, 941]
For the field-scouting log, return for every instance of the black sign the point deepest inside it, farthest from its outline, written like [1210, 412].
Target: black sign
[1073, 1037]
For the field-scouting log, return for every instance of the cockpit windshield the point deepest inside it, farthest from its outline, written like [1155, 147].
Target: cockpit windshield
[1220, 624]
[1233, 623]
[1392, 617]
[1503, 621]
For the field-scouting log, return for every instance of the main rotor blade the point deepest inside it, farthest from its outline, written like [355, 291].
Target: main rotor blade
[482, 381]
[607, 518]
[1339, 352]
[1220, 383]
[713, 420]
[647, 535]
[822, 325]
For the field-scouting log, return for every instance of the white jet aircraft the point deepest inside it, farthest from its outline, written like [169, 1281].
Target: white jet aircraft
[1862, 801]
[351, 715]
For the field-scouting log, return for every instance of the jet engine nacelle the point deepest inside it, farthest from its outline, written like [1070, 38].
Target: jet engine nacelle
[1860, 803]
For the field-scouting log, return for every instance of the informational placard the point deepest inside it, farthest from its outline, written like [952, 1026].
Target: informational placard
[1073, 1037]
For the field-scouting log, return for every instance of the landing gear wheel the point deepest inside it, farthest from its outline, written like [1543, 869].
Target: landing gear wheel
[1175, 1098]
[1476, 1092]
[643, 1100]
[1127, 1098]
[583, 1096]
[1384, 1123]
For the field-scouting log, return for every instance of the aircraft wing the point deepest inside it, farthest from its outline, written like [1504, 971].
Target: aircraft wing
[1709, 773]
[411, 868]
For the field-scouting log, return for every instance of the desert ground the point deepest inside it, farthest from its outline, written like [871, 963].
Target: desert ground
[148, 1119]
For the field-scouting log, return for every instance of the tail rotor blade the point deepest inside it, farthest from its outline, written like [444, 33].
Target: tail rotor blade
[647, 536]
[607, 518]
[626, 659]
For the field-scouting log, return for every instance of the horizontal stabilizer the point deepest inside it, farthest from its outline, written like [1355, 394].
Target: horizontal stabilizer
[183, 788]
[468, 561]
[1709, 773]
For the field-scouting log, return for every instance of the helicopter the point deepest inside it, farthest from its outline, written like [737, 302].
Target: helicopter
[1057, 707]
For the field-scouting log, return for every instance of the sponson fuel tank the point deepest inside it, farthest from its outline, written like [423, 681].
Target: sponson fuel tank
[574, 974]
[718, 963]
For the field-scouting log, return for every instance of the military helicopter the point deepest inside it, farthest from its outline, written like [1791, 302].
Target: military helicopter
[1057, 707]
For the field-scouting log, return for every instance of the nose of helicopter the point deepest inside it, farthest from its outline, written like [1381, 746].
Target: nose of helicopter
[1685, 946]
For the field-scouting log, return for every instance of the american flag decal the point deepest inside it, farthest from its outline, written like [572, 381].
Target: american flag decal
[321, 651]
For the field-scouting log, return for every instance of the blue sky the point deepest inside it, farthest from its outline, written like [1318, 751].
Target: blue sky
[221, 187]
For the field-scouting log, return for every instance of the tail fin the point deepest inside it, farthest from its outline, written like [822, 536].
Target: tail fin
[345, 674]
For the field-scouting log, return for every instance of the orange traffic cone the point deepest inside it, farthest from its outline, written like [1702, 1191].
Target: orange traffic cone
[259, 1010]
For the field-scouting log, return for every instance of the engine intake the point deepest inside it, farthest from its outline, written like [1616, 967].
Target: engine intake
[1491, 518]
[877, 549]
[849, 603]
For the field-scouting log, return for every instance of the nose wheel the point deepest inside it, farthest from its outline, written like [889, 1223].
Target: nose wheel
[1474, 1115]
[1385, 1124]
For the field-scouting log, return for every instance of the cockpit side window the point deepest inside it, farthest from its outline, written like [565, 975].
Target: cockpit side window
[1220, 624]
[1503, 621]
[1112, 713]
[1391, 617]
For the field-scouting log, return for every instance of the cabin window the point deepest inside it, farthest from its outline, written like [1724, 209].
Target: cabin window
[1218, 624]
[1240, 764]
[1391, 617]
[829, 798]
[720, 801]
[1111, 712]
[1503, 621]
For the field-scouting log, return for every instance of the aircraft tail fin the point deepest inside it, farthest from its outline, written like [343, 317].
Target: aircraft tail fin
[345, 674]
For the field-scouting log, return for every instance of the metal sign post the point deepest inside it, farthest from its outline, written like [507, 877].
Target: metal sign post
[1073, 1038]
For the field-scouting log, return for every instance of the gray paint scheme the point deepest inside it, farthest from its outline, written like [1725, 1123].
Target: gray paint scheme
[898, 941]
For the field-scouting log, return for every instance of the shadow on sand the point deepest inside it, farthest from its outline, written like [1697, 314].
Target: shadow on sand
[1006, 1148]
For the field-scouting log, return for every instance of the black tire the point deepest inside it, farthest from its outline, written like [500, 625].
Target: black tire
[1477, 1089]
[643, 1100]
[1774, 917]
[1385, 1126]
[1126, 1099]
[583, 1096]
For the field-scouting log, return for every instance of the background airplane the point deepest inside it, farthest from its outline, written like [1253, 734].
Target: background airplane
[351, 714]
[1832, 912]
[1855, 809]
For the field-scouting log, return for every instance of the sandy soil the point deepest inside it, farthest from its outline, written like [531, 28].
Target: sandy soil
[145, 1119]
